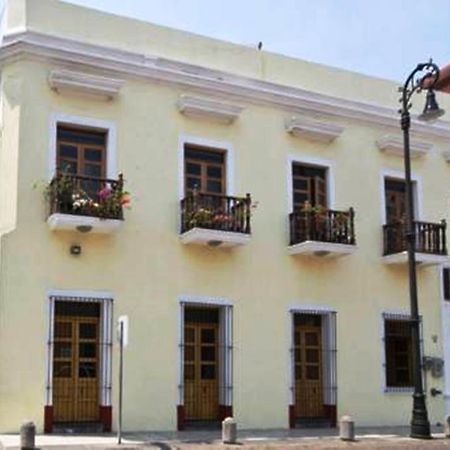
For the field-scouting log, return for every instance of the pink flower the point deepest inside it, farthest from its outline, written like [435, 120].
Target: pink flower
[125, 200]
[104, 193]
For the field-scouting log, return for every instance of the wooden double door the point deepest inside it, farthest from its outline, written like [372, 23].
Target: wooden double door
[201, 371]
[308, 371]
[76, 369]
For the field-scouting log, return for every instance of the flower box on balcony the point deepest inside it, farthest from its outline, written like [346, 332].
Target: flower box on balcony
[86, 204]
[215, 220]
[430, 243]
[317, 231]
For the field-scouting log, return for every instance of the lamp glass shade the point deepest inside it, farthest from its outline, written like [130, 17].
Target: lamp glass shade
[431, 111]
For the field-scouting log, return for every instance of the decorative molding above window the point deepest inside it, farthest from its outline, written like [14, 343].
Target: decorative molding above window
[208, 108]
[66, 81]
[27, 43]
[313, 129]
[393, 144]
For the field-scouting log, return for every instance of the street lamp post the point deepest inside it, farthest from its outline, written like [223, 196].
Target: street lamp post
[424, 76]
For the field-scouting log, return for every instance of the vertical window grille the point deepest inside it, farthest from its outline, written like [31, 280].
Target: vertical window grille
[446, 283]
[205, 363]
[226, 356]
[62, 306]
[313, 375]
[398, 350]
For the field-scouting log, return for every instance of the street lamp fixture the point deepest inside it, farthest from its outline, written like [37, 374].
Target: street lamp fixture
[424, 76]
[431, 111]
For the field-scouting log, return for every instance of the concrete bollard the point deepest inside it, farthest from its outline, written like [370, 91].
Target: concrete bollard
[346, 428]
[27, 435]
[447, 426]
[229, 431]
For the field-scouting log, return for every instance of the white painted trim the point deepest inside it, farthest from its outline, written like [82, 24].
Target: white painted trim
[226, 325]
[313, 130]
[50, 48]
[224, 239]
[208, 108]
[71, 222]
[445, 317]
[422, 259]
[310, 309]
[204, 300]
[83, 293]
[393, 144]
[321, 249]
[49, 352]
[186, 139]
[3, 20]
[315, 161]
[417, 191]
[307, 308]
[105, 299]
[111, 140]
[70, 82]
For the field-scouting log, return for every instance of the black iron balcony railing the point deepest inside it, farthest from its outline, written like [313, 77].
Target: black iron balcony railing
[336, 227]
[430, 237]
[216, 212]
[87, 196]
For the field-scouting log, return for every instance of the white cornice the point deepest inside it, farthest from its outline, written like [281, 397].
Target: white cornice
[206, 81]
[70, 82]
[393, 145]
[313, 130]
[209, 108]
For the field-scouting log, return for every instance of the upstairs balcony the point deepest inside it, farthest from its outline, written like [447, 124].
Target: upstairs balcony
[322, 232]
[431, 245]
[215, 220]
[85, 204]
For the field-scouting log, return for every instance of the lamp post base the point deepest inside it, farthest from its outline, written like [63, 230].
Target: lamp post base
[420, 425]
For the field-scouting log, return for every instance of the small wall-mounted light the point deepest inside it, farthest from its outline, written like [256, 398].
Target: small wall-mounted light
[75, 249]
[84, 228]
[214, 243]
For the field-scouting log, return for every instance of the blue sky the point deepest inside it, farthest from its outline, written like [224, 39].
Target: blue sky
[383, 38]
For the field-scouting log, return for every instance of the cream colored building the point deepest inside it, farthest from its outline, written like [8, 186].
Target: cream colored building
[286, 314]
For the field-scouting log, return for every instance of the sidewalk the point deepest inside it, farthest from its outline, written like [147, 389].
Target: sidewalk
[323, 439]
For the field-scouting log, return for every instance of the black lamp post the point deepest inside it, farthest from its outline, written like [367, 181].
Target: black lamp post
[424, 76]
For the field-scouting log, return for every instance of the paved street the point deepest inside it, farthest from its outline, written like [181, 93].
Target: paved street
[323, 439]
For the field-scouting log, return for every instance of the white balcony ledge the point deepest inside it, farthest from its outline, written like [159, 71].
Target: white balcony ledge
[313, 130]
[393, 145]
[424, 259]
[214, 238]
[83, 224]
[208, 108]
[321, 249]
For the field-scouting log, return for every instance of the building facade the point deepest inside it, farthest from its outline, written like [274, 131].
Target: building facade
[261, 265]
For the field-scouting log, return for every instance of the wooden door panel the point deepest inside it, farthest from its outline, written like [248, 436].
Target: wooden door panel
[201, 399]
[75, 369]
[308, 372]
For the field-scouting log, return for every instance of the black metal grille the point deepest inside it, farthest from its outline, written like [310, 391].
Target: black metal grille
[324, 226]
[314, 369]
[76, 366]
[429, 237]
[399, 355]
[86, 196]
[216, 212]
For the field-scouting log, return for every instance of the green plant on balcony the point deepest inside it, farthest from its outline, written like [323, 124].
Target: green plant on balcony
[320, 217]
[199, 217]
[67, 195]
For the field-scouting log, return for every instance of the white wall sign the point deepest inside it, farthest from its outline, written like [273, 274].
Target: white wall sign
[124, 320]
